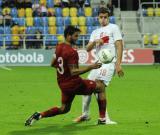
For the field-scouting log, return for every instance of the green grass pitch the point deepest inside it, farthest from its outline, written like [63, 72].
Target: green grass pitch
[134, 102]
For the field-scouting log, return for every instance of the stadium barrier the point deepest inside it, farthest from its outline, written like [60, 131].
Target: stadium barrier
[40, 57]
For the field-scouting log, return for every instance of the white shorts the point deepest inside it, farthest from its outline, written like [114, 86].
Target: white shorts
[105, 73]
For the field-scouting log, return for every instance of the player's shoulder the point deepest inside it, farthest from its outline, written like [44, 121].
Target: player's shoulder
[113, 26]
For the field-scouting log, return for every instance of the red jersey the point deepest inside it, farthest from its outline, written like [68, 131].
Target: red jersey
[65, 56]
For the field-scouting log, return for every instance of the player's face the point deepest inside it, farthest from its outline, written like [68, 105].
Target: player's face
[103, 19]
[74, 37]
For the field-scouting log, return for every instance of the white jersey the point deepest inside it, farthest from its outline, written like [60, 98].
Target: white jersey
[112, 32]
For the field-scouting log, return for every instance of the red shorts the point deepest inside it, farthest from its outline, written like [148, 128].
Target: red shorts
[84, 87]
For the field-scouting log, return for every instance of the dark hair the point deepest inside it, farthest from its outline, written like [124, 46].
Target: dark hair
[103, 10]
[70, 30]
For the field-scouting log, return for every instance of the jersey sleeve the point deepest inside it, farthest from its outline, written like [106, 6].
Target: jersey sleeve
[117, 34]
[73, 58]
[92, 37]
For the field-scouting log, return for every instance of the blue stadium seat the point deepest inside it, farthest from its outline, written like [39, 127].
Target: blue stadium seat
[37, 21]
[1, 30]
[7, 30]
[60, 30]
[1, 40]
[8, 40]
[19, 21]
[112, 19]
[30, 30]
[90, 29]
[67, 21]
[0, 3]
[95, 21]
[89, 21]
[95, 11]
[14, 12]
[59, 21]
[45, 30]
[44, 21]
[58, 12]
[51, 40]
[80, 12]
[50, 4]
[144, 11]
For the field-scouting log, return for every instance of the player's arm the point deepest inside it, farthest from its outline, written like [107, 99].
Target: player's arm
[74, 70]
[53, 62]
[119, 48]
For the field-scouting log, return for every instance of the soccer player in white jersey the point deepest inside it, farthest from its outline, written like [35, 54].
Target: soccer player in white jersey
[107, 36]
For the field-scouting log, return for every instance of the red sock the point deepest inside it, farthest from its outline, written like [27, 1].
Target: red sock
[102, 108]
[51, 112]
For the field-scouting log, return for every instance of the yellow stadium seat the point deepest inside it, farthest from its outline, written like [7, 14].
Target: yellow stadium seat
[15, 29]
[52, 30]
[22, 30]
[73, 12]
[43, 2]
[157, 11]
[83, 30]
[60, 38]
[146, 39]
[150, 12]
[155, 39]
[6, 10]
[28, 12]
[29, 21]
[51, 11]
[21, 12]
[15, 40]
[52, 21]
[82, 21]
[74, 21]
[65, 12]
[88, 11]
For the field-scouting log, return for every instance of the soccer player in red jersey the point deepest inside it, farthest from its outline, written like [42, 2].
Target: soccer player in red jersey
[68, 71]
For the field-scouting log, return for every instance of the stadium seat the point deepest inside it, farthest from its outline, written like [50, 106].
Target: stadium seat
[73, 12]
[37, 21]
[15, 29]
[50, 3]
[65, 12]
[14, 12]
[83, 30]
[82, 21]
[15, 40]
[1, 40]
[51, 40]
[22, 29]
[30, 30]
[21, 12]
[90, 29]
[154, 40]
[53, 30]
[157, 11]
[144, 11]
[51, 11]
[58, 12]
[146, 39]
[80, 12]
[60, 30]
[74, 21]
[95, 21]
[95, 11]
[89, 21]
[6, 10]
[59, 21]
[44, 21]
[7, 30]
[150, 11]
[8, 40]
[88, 11]
[29, 21]
[60, 38]
[67, 21]
[28, 12]
[112, 19]
[52, 21]
[1, 30]
[43, 2]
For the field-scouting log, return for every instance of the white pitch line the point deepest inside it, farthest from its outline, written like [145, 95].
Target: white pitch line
[5, 68]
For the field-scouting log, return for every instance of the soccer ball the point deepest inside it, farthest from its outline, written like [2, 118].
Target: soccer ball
[105, 56]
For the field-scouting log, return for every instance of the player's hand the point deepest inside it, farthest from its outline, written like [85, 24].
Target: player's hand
[119, 70]
[96, 65]
[99, 42]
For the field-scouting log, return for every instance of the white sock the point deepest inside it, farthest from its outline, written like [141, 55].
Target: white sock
[85, 105]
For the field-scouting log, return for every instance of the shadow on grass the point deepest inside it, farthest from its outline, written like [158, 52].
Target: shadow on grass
[70, 129]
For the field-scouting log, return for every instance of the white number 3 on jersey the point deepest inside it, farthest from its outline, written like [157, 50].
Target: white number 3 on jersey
[60, 68]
